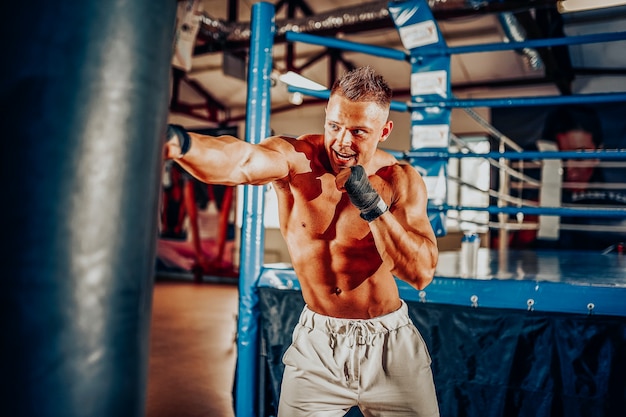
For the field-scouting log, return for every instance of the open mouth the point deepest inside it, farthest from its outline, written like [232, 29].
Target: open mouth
[342, 157]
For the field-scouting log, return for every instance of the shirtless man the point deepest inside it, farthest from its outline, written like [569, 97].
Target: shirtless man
[352, 218]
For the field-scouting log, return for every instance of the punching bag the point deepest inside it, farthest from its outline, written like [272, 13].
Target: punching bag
[84, 102]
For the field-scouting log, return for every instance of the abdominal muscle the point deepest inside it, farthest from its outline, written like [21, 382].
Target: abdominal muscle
[344, 281]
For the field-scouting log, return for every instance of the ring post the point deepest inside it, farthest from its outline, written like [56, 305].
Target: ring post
[252, 232]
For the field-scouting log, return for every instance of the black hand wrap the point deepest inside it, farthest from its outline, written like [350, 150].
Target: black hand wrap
[363, 195]
[184, 140]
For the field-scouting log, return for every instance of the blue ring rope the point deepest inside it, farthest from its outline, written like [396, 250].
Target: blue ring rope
[380, 51]
[607, 154]
[523, 101]
[548, 211]
[487, 102]
[535, 43]
[399, 106]
[399, 55]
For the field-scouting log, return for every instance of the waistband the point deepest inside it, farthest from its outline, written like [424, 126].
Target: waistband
[334, 325]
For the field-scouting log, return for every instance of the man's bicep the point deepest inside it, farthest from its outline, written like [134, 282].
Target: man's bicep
[268, 162]
[412, 205]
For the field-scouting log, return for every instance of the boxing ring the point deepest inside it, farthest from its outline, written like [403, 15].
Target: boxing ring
[531, 334]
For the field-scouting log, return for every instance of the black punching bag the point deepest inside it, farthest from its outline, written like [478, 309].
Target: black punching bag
[84, 96]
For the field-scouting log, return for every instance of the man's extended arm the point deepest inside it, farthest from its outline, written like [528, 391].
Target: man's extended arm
[227, 160]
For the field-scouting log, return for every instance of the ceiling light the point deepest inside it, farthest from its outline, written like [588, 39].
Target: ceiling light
[296, 80]
[567, 6]
[296, 98]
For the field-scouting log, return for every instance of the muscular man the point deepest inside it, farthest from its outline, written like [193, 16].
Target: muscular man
[352, 218]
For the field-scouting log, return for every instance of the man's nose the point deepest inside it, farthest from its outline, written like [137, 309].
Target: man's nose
[344, 138]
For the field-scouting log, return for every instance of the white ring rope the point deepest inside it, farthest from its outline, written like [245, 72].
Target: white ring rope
[495, 132]
[515, 226]
[596, 185]
[503, 167]
[568, 163]
[492, 193]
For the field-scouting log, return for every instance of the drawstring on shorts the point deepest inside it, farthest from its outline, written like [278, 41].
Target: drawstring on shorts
[359, 334]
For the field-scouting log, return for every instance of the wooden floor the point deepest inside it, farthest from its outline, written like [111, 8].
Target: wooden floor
[193, 350]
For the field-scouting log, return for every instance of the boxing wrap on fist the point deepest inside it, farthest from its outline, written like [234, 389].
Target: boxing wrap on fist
[363, 195]
[184, 140]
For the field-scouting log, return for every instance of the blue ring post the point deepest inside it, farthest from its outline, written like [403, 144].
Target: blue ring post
[252, 232]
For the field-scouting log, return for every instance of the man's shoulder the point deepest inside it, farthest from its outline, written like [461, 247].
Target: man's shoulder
[293, 142]
[389, 163]
[300, 152]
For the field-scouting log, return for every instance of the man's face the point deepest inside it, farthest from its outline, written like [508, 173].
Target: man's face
[576, 140]
[352, 131]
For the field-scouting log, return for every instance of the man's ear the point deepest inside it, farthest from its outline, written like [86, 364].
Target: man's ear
[386, 131]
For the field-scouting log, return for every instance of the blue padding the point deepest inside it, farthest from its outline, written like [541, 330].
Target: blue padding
[566, 282]
[491, 362]
[281, 276]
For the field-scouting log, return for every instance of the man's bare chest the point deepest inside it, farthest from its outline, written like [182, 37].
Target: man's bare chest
[317, 210]
[328, 217]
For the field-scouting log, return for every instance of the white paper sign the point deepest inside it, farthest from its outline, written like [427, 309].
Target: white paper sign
[430, 136]
[431, 82]
[419, 34]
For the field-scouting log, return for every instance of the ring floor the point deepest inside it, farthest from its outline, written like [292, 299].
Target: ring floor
[192, 349]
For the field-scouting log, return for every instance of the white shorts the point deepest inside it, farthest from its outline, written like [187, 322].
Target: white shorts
[381, 365]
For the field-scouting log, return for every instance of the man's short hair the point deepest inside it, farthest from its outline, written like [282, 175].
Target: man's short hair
[363, 84]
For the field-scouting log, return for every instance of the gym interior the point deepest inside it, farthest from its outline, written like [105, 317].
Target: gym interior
[133, 289]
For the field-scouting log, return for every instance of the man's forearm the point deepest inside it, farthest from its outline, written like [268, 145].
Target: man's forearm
[228, 160]
[207, 158]
[413, 257]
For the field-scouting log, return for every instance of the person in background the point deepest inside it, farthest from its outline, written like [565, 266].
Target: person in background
[353, 218]
[578, 128]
